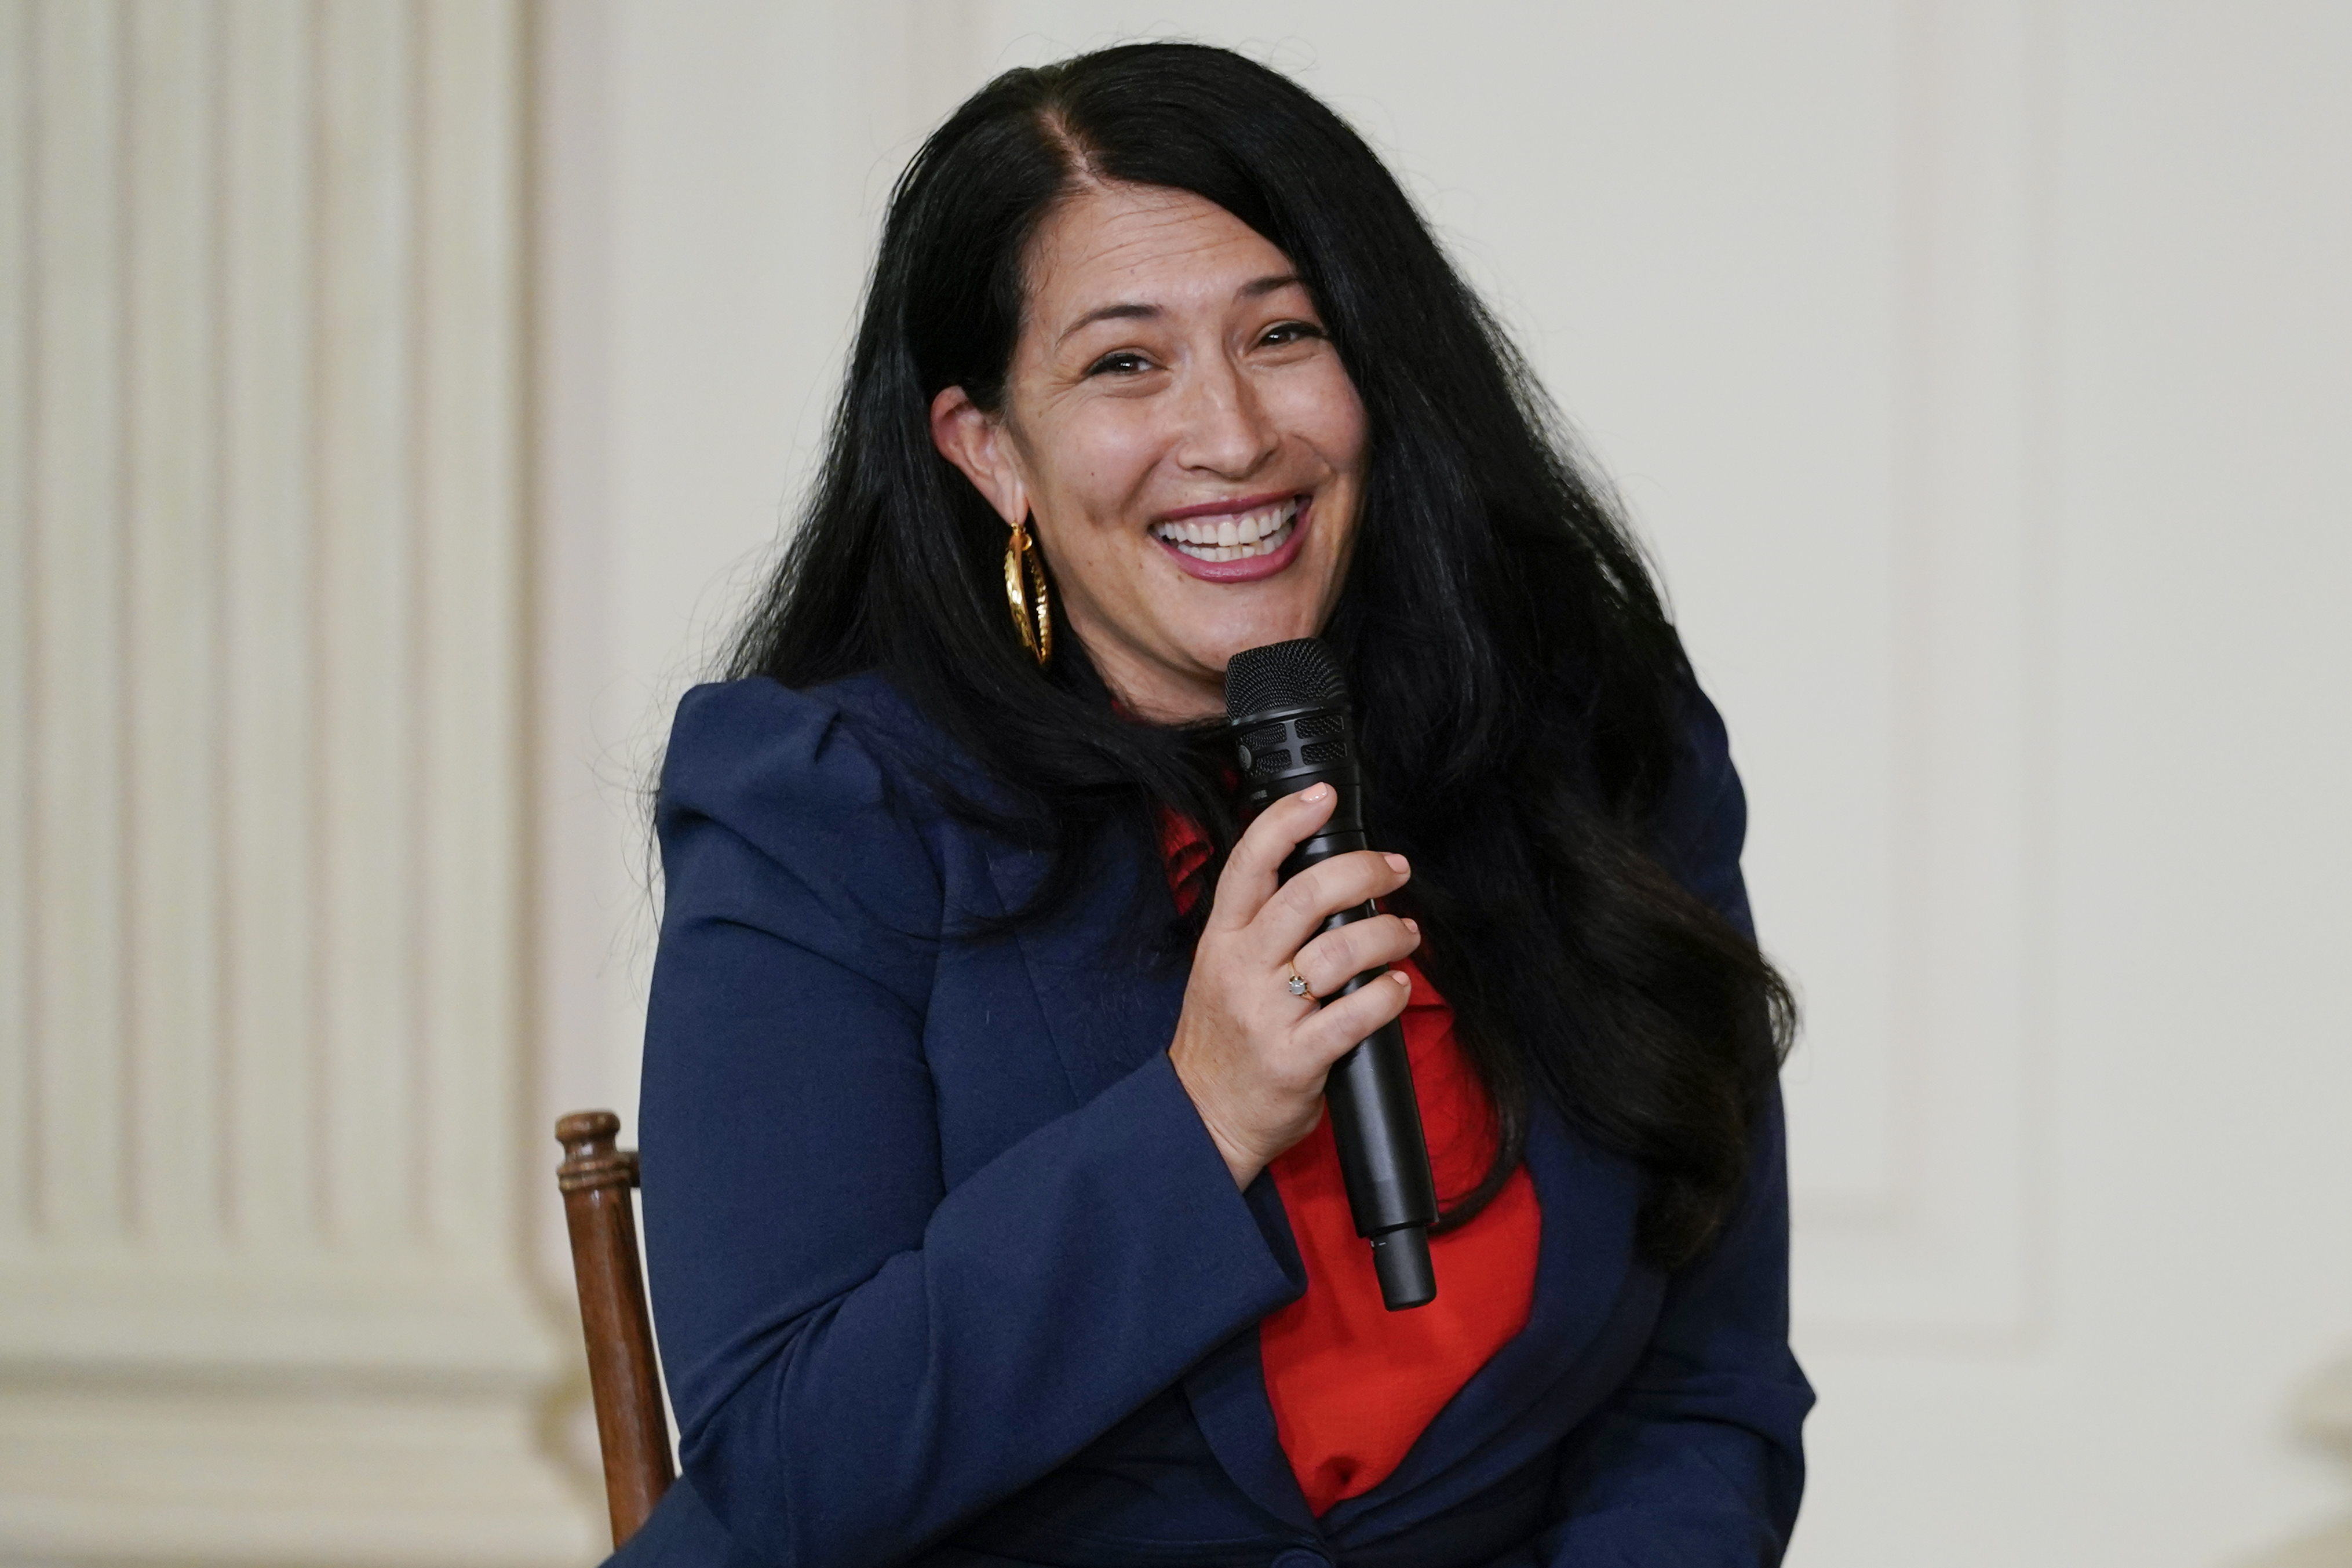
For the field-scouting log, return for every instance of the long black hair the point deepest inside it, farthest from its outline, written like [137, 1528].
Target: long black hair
[1522, 699]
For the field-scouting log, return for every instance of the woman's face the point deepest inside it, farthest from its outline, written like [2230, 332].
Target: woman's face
[1180, 436]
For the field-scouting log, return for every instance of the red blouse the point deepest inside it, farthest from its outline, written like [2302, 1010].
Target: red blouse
[1352, 1384]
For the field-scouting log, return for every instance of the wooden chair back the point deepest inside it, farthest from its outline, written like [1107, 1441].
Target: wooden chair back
[598, 1181]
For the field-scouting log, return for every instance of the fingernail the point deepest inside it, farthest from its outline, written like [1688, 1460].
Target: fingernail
[1397, 862]
[1315, 795]
[1398, 976]
[1413, 925]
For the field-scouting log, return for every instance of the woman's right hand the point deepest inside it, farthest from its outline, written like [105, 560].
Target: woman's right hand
[1252, 1056]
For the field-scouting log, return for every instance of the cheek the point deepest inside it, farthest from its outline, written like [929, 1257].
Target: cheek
[1322, 410]
[1093, 458]
[1086, 462]
[1330, 417]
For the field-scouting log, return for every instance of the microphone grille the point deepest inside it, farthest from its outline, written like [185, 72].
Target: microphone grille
[1297, 674]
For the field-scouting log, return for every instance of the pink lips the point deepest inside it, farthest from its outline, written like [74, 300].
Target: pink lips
[1244, 571]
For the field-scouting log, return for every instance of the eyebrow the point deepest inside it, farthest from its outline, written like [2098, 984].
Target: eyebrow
[1132, 310]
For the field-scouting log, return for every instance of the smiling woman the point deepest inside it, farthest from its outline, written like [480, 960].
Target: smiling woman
[992, 1216]
[1182, 434]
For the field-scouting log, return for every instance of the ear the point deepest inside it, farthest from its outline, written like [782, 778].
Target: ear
[976, 443]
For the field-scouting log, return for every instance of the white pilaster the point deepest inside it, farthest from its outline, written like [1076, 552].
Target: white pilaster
[264, 1286]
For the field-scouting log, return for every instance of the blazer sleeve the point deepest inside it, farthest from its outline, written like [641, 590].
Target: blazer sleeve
[860, 1358]
[1696, 1459]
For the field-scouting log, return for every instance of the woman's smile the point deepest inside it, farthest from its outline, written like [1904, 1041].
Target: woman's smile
[1235, 541]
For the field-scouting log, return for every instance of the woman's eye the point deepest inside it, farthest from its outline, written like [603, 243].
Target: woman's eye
[1290, 332]
[1123, 363]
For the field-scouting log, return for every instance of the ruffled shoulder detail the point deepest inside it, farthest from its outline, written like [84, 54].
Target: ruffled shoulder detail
[741, 750]
[776, 813]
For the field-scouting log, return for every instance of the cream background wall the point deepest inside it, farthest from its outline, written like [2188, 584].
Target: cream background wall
[1978, 373]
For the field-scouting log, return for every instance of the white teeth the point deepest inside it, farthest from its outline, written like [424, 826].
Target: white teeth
[1231, 538]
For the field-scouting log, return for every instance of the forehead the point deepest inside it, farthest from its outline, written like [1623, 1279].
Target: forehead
[1146, 245]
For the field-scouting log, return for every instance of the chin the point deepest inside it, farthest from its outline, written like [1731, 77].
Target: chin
[1255, 632]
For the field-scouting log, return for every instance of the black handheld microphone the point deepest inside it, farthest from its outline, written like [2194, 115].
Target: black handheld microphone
[1286, 708]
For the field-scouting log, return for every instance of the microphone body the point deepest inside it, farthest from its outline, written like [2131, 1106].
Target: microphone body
[1286, 707]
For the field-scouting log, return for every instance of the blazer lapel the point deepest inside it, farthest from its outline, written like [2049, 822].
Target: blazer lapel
[1106, 1005]
[1589, 1318]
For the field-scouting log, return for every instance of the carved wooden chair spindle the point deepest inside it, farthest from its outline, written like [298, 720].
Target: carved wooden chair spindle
[598, 1181]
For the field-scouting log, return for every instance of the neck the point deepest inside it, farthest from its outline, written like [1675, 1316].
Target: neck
[1149, 689]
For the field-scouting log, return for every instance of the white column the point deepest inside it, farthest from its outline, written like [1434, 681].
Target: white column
[265, 1294]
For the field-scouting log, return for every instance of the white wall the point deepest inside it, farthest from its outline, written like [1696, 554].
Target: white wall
[1977, 371]
[707, 180]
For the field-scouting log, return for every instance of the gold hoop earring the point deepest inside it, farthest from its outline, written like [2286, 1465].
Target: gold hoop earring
[1024, 591]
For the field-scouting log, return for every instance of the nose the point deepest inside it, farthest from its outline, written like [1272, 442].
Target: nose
[1226, 430]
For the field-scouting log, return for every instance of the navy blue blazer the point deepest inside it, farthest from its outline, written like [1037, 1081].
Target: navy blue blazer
[948, 1270]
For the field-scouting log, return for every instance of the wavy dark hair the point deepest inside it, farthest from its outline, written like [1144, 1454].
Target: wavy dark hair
[1522, 698]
